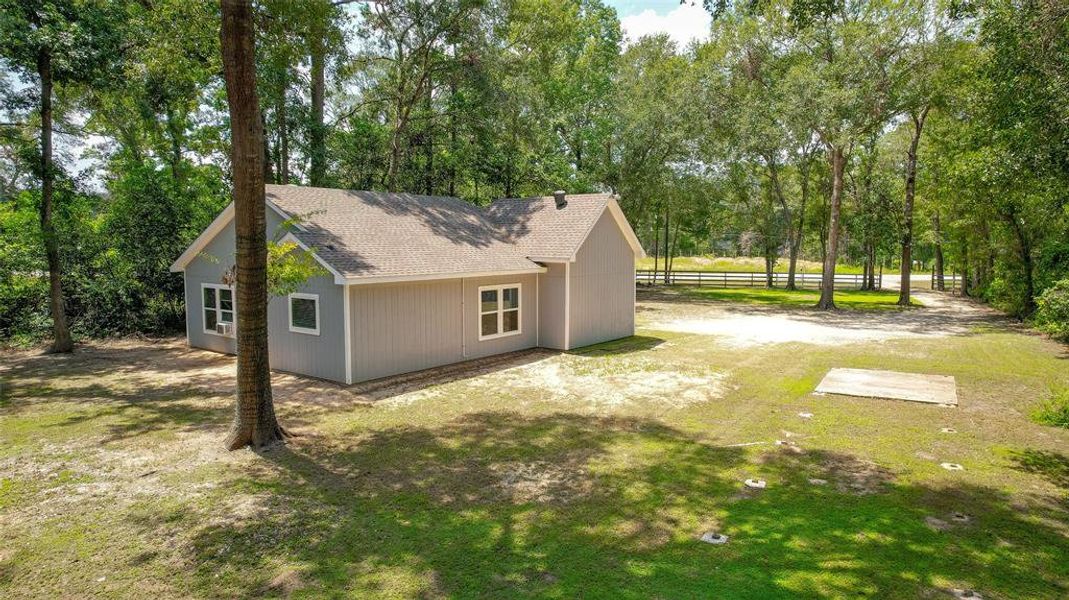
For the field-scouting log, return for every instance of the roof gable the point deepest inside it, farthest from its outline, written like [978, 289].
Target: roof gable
[368, 237]
[550, 233]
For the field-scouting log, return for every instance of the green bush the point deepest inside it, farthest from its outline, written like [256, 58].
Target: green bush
[1055, 411]
[1052, 313]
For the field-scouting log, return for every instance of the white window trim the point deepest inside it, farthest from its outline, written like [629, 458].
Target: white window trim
[289, 313]
[500, 311]
[218, 310]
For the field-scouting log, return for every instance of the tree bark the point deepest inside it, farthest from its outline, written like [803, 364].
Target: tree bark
[827, 283]
[911, 184]
[667, 267]
[428, 142]
[283, 141]
[656, 246]
[268, 174]
[61, 335]
[799, 229]
[254, 416]
[938, 268]
[317, 132]
[1024, 248]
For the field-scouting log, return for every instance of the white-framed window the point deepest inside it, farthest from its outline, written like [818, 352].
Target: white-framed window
[304, 313]
[499, 311]
[217, 306]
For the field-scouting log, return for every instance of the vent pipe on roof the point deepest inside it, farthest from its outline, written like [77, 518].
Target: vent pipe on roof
[558, 196]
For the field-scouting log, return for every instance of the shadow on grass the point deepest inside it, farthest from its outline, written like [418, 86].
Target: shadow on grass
[566, 505]
[1052, 466]
[627, 345]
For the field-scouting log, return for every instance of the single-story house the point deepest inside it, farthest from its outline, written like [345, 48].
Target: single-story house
[414, 282]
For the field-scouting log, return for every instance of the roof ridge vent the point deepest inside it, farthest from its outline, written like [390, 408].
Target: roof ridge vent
[558, 197]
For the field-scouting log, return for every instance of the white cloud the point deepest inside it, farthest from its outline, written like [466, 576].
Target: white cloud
[683, 23]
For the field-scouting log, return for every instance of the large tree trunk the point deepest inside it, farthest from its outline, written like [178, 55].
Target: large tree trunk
[911, 184]
[667, 266]
[61, 335]
[254, 419]
[453, 138]
[428, 142]
[939, 268]
[317, 132]
[1024, 248]
[284, 141]
[799, 230]
[827, 283]
[656, 246]
[268, 175]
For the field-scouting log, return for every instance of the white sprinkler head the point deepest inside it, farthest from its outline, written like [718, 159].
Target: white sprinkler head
[758, 484]
[952, 466]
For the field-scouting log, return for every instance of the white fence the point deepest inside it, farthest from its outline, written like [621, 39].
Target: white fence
[726, 279]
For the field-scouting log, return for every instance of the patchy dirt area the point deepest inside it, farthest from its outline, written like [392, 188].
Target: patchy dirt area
[744, 326]
[594, 383]
[547, 471]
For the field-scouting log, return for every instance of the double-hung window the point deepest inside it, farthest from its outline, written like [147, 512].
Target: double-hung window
[217, 302]
[304, 313]
[499, 311]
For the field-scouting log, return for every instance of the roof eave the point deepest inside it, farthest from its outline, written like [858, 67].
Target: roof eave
[366, 280]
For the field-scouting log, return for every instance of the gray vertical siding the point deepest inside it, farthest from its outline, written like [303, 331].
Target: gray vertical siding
[404, 327]
[551, 307]
[320, 355]
[473, 348]
[602, 286]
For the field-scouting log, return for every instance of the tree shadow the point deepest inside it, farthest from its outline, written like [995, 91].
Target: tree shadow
[359, 219]
[566, 505]
[1052, 466]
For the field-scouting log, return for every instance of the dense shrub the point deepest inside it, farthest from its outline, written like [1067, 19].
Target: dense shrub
[1052, 314]
[115, 249]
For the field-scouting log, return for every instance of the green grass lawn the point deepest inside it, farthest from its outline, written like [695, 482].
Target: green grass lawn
[848, 299]
[588, 474]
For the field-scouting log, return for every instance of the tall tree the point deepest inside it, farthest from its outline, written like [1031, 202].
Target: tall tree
[57, 42]
[255, 424]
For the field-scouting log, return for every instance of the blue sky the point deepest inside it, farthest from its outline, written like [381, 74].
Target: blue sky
[683, 23]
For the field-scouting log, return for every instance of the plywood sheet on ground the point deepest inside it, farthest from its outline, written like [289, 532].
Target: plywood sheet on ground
[869, 383]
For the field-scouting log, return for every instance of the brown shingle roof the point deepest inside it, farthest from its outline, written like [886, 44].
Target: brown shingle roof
[376, 234]
[541, 230]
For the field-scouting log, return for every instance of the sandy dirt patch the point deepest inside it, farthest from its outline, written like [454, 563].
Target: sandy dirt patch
[758, 330]
[541, 481]
[742, 326]
[596, 384]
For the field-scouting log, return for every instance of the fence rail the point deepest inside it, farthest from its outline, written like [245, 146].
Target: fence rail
[951, 282]
[726, 279]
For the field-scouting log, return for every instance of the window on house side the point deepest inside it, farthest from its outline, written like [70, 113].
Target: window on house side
[304, 313]
[218, 305]
[499, 311]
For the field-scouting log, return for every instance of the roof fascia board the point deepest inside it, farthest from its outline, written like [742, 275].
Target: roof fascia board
[338, 277]
[621, 221]
[206, 236]
[216, 226]
[552, 259]
[625, 227]
[439, 276]
[285, 215]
